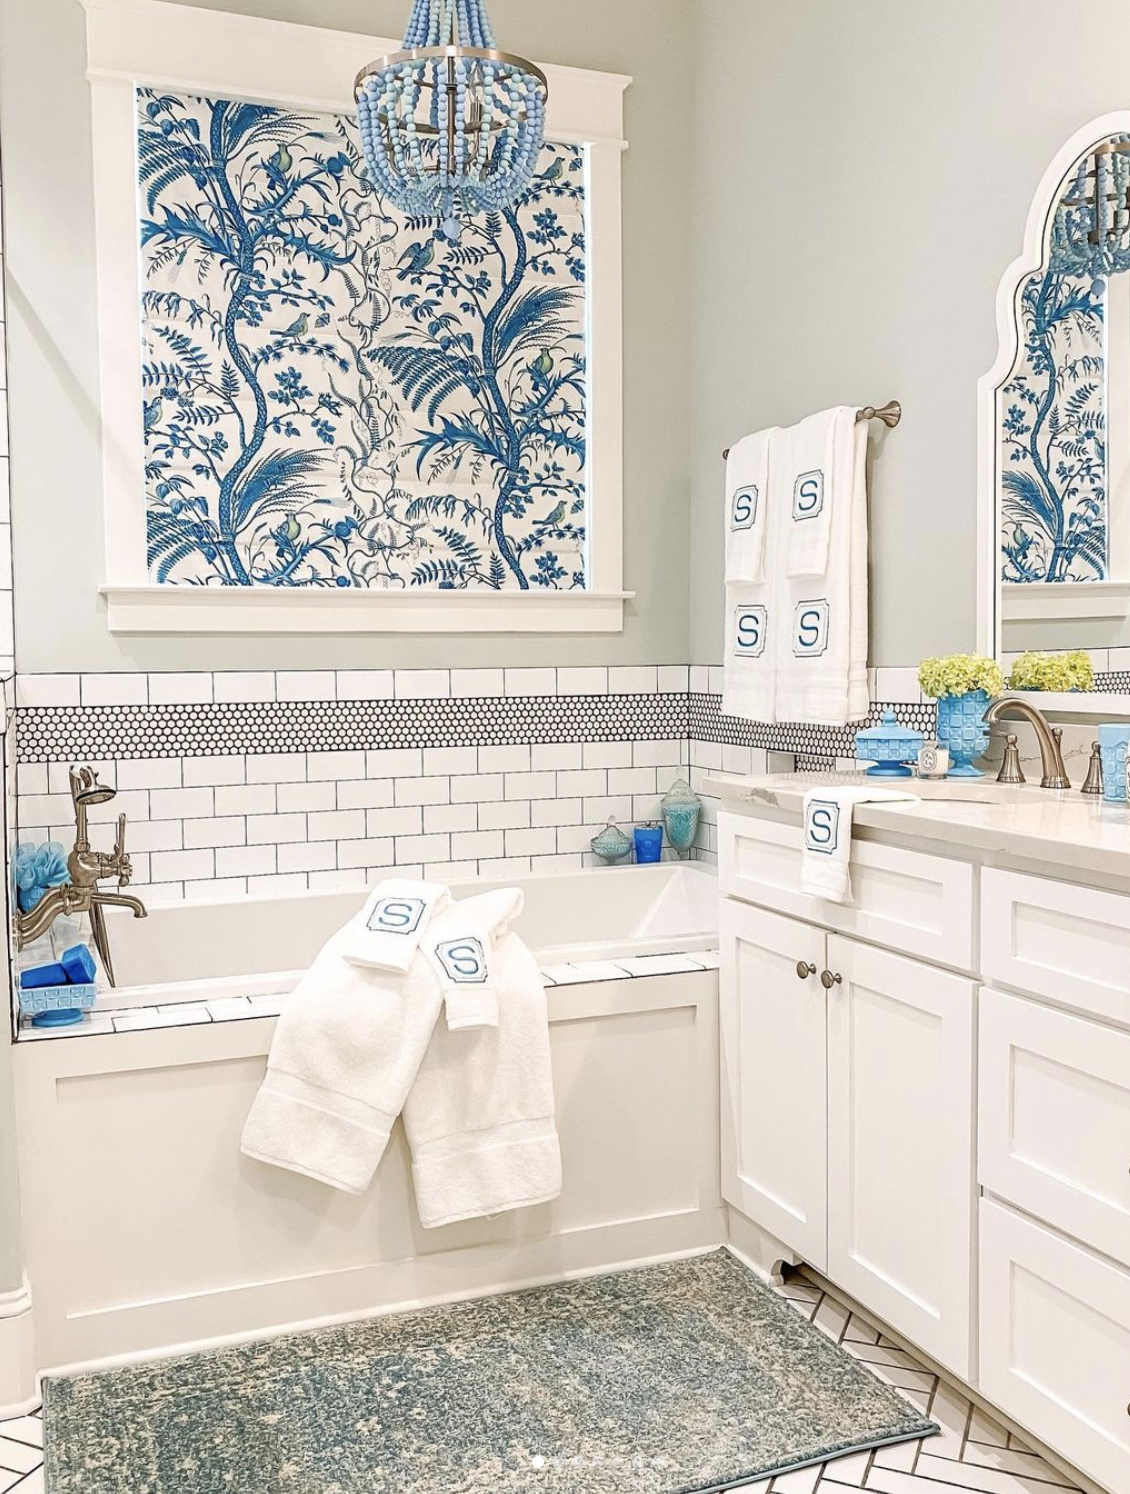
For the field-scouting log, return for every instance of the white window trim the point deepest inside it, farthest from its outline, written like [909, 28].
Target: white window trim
[183, 48]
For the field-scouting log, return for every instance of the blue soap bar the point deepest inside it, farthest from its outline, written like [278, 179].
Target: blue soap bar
[76, 967]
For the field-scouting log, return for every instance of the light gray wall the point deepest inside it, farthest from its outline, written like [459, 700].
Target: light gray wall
[864, 175]
[44, 119]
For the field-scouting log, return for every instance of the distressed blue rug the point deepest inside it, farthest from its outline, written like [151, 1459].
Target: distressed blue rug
[673, 1379]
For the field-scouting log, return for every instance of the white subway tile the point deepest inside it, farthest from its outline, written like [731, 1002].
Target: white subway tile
[631, 780]
[179, 866]
[374, 852]
[558, 863]
[700, 679]
[531, 785]
[576, 838]
[422, 790]
[423, 848]
[338, 824]
[469, 683]
[47, 689]
[510, 814]
[300, 798]
[133, 803]
[154, 835]
[633, 679]
[716, 680]
[586, 782]
[276, 767]
[245, 861]
[607, 755]
[45, 809]
[31, 778]
[336, 765]
[450, 760]
[59, 775]
[478, 843]
[539, 842]
[735, 759]
[394, 762]
[241, 687]
[271, 828]
[115, 689]
[505, 867]
[589, 680]
[616, 806]
[364, 684]
[645, 808]
[230, 831]
[351, 880]
[440, 818]
[664, 754]
[182, 803]
[452, 871]
[513, 758]
[180, 689]
[384, 822]
[149, 773]
[547, 756]
[274, 886]
[556, 812]
[308, 856]
[246, 798]
[897, 686]
[199, 771]
[422, 684]
[531, 682]
[365, 793]
[305, 684]
[674, 677]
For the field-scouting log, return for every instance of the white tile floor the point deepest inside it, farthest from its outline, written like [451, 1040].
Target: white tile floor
[973, 1453]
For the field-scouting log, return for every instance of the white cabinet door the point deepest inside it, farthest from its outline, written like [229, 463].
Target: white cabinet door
[1055, 1342]
[900, 1145]
[1055, 1119]
[774, 1076]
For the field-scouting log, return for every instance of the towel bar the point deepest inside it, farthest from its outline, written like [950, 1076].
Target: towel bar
[890, 414]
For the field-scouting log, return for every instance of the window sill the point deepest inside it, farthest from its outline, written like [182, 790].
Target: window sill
[1042, 599]
[181, 609]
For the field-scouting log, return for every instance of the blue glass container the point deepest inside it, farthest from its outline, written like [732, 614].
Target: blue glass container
[889, 746]
[649, 843]
[961, 729]
[611, 845]
[681, 810]
[1114, 738]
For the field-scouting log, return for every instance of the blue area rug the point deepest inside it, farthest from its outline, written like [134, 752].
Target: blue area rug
[673, 1379]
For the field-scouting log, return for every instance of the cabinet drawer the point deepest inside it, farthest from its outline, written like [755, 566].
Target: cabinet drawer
[1055, 1342]
[1055, 1119]
[1071, 944]
[920, 905]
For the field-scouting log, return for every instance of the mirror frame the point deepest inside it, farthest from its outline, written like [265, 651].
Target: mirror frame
[989, 610]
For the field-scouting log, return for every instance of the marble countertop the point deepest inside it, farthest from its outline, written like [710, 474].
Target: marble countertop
[1064, 830]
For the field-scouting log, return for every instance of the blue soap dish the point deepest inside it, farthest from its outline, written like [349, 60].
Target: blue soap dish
[57, 1006]
[889, 746]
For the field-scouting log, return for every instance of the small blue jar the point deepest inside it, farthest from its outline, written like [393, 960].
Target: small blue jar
[649, 843]
[889, 746]
[1114, 738]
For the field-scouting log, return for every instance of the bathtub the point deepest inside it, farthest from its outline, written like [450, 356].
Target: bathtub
[146, 1229]
[250, 947]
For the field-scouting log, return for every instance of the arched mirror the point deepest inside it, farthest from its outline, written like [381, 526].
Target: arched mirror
[1055, 419]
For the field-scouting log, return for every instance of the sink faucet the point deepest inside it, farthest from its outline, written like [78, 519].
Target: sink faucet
[1049, 738]
[87, 868]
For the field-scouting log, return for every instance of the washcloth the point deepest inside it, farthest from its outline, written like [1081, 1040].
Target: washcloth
[356, 1046]
[747, 489]
[821, 640]
[825, 863]
[388, 930]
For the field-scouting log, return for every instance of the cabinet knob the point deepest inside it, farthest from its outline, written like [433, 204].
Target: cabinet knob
[804, 969]
[828, 980]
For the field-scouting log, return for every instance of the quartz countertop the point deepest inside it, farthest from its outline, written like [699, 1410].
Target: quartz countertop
[1063, 830]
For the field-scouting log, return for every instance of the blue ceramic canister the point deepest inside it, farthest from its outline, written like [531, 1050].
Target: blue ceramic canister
[889, 746]
[1114, 738]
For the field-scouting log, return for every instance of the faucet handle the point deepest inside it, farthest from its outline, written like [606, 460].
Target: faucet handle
[122, 863]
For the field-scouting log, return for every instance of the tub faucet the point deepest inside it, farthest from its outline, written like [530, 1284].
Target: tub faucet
[87, 868]
[1049, 738]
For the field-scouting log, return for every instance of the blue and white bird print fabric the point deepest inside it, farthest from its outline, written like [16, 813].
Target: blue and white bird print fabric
[335, 395]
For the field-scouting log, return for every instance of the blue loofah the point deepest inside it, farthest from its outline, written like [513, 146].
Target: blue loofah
[35, 869]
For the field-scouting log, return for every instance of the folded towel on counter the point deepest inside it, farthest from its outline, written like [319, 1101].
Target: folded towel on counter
[825, 862]
[747, 489]
[388, 930]
[356, 1046]
[821, 637]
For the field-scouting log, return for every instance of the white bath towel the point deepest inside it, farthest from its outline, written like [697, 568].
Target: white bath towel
[749, 674]
[354, 1044]
[747, 490]
[388, 930]
[458, 946]
[821, 640]
[817, 476]
[825, 869]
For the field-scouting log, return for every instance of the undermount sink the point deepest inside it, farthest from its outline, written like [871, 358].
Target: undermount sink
[977, 791]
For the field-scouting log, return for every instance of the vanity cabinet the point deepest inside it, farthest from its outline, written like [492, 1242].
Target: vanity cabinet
[847, 1117]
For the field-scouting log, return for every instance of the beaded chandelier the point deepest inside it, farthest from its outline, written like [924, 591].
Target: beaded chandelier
[450, 126]
[1091, 227]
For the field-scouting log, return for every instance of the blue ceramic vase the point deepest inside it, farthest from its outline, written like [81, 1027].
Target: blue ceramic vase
[961, 729]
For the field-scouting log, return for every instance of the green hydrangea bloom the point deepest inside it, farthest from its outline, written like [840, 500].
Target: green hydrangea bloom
[1070, 671]
[958, 674]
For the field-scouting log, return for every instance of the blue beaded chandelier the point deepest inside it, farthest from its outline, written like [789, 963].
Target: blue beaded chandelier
[1090, 232]
[450, 126]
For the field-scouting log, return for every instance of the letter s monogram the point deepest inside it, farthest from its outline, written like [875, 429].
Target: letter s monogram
[808, 495]
[464, 961]
[745, 508]
[749, 632]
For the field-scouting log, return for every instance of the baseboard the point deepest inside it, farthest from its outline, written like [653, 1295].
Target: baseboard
[18, 1390]
[756, 1248]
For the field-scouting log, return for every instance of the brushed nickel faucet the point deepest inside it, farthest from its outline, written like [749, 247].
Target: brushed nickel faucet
[1050, 740]
[87, 868]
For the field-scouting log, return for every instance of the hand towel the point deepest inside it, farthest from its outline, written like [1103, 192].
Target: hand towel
[747, 491]
[749, 672]
[458, 947]
[821, 637]
[818, 474]
[386, 932]
[825, 862]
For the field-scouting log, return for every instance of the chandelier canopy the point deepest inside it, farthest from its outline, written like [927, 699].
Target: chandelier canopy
[450, 126]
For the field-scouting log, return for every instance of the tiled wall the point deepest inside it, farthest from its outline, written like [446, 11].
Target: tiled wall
[239, 783]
